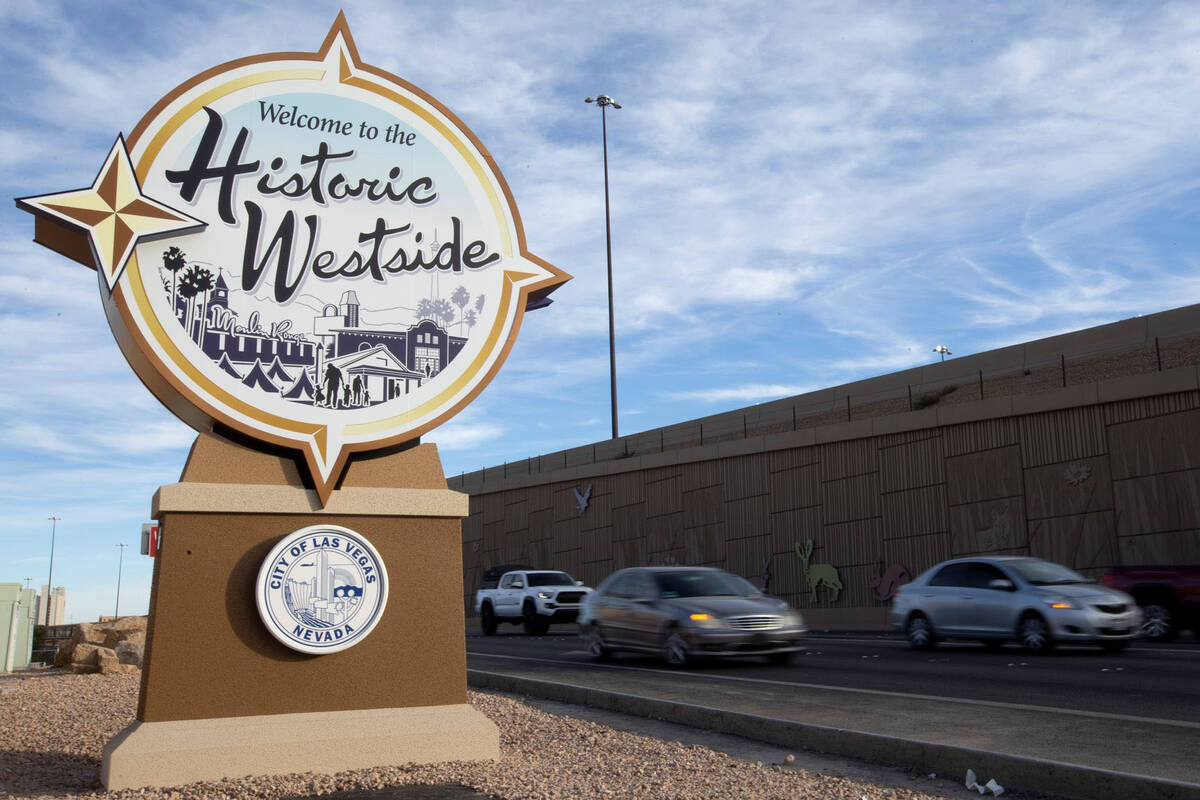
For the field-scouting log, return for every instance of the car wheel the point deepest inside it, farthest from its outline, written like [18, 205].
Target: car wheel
[1157, 623]
[593, 637]
[1115, 647]
[920, 632]
[1034, 635]
[487, 621]
[532, 622]
[675, 649]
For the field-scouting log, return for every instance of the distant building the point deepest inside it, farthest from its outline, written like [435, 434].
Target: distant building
[58, 605]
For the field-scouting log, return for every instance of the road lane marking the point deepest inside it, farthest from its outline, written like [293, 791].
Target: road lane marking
[854, 690]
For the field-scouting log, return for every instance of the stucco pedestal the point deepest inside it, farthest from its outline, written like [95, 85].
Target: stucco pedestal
[172, 753]
[221, 697]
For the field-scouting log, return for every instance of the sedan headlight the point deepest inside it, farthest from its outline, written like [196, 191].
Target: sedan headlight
[545, 595]
[792, 618]
[1057, 602]
[701, 620]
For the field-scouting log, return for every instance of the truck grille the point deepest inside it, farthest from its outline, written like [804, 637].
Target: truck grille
[570, 597]
[759, 623]
[1112, 608]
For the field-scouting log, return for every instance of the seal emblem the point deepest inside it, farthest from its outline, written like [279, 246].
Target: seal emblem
[321, 589]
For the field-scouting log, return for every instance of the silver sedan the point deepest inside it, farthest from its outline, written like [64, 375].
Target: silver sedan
[1037, 603]
[683, 613]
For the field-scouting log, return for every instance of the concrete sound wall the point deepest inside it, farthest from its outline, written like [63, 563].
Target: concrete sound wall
[1093, 474]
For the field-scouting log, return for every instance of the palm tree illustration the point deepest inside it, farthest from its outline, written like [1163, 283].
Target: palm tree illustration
[443, 312]
[470, 318]
[460, 298]
[196, 280]
[174, 260]
[425, 309]
[479, 304]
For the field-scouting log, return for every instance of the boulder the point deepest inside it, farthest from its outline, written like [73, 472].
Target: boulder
[84, 633]
[86, 658]
[110, 664]
[130, 652]
[103, 634]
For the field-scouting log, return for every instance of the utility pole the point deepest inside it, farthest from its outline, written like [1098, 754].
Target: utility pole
[120, 564]
[604, 101]
[50, 580]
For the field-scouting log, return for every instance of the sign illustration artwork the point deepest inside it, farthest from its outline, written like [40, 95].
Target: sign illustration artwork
[321, 589]
[306, 249]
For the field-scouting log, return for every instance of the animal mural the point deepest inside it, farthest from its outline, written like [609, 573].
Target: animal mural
[886, 582]
[818, 575]
[763, 580]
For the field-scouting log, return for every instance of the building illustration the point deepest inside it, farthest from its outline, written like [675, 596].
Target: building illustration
[324, 592]
[334, 359]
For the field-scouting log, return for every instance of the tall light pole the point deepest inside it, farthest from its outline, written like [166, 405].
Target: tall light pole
[50, 581]
[120, 564]
[604, 101]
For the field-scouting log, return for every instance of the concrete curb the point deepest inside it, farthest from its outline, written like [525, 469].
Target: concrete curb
[1016, 772]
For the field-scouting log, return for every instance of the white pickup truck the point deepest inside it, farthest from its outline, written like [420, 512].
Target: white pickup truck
[534, 598]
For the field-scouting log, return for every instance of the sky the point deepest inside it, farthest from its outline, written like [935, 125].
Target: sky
[803, 194]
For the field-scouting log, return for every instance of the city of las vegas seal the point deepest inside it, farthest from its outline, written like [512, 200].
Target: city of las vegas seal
[321, 589]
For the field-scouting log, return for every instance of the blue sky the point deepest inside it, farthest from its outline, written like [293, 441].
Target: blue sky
[803, 194]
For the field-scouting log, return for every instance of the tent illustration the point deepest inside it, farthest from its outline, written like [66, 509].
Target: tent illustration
[302, 389]
[226, 365]
[257, 378]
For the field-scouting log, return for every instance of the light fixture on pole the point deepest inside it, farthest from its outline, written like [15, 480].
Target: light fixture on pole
[604, 101]
[50, 581]
[120, 564]
[945, 351]
[27, 582]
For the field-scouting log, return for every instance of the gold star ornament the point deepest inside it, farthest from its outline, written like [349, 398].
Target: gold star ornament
[101, 225]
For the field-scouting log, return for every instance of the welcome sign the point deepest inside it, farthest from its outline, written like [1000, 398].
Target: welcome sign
[306, 249]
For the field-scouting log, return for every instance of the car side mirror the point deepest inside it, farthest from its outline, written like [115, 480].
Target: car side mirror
[518, 584]
[1001, 584]
[579, 583]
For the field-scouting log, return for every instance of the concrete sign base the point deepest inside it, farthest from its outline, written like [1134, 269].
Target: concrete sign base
[221, 697]
[184, 751]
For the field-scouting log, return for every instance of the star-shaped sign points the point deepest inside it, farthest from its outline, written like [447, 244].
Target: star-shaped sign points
[114, 214]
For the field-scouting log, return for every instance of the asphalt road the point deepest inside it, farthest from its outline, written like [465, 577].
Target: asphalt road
[1146, 682]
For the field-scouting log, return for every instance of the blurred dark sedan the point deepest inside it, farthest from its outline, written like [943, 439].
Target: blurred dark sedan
[683, 613]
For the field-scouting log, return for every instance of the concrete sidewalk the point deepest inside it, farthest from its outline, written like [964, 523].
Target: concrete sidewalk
[1076, 754]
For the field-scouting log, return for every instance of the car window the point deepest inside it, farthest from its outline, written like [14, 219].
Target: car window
[702, 583]
[506, 582]
[622, 585]
[950, 575]
[550, 579]
[980, 575]
[1045, 573]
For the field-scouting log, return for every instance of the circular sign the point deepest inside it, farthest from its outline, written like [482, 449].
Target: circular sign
[321, 589]
[308, 250]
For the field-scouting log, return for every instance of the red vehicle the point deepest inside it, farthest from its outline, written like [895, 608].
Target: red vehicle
[1169, 597]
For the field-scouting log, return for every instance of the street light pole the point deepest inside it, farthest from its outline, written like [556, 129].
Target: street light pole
[604, 101]
[50, 580]
[120, 564]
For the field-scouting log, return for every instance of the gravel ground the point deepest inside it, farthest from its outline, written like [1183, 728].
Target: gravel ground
[53, 726]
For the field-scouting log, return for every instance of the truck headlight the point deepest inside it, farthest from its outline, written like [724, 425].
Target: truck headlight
[545, 595]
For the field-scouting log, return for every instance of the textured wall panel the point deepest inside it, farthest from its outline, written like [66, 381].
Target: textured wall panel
[917, 553]
[629, 553]
[1081, 541]
[797, 487]
[745, 556]
[747, 517]
[971, 437]
[1177, 547]
[701, 475]
[985, 475]
[1160, 444]
[1072, 433]
[704, 545]
[1072, 487]
[540, 496]
[912, 464]
[790, 459]
[664, 496]
[493, 508]
[790, 527]
[704, 507]
[915, 512]
[993, 526]
[596, 546]
[664, 533]
[745, 476]
[516, 511]
[1143, 407]
[858, 542]
[852, 457]
[1158, 503]
[851, 498]
[627, 488]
